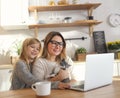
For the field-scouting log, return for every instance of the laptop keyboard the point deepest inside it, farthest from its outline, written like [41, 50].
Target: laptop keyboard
[78, 86]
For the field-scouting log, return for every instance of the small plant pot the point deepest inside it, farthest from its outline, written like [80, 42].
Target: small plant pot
[81, 57]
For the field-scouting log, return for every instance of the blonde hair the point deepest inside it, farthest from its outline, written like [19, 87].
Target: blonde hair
[26, 43]
[48, 38]
[23, 54]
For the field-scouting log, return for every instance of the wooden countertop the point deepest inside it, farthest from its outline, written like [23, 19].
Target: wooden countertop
[6, 66]
[110, 91]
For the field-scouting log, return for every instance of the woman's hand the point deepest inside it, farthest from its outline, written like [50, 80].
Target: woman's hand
[62, 85]
[63, 74]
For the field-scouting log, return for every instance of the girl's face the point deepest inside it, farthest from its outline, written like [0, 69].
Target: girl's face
[33, 50]
[55, 46]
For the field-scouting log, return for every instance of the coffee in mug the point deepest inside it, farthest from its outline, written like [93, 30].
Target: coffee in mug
[42, 88]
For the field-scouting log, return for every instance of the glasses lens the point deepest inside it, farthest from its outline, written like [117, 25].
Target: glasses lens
[57, 43]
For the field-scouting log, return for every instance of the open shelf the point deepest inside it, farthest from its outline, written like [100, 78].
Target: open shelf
[87, 6]
[64, 7]
[80, 23]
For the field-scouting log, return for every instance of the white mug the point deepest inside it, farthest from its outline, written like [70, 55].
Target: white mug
[42, 88]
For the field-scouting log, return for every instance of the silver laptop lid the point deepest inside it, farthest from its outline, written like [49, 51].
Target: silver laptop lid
[99, 70]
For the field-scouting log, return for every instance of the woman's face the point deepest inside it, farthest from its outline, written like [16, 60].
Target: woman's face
[55, 46]
[33, 50]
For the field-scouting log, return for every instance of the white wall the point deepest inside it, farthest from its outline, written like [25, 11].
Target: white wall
[101, 13]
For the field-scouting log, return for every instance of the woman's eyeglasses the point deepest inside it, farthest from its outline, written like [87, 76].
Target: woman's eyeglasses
[55, 43]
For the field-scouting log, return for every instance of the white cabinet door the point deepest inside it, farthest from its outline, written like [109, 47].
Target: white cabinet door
[5, 75]
[14, 13]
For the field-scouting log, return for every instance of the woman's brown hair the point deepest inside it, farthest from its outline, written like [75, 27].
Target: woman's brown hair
[48, 38]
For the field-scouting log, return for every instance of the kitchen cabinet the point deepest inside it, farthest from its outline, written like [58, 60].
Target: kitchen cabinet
[14, 14]
[5, 75]
[88, 6]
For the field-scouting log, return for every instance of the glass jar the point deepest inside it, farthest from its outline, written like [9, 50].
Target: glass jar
[63, 2]
[75, 1]
[51, 2]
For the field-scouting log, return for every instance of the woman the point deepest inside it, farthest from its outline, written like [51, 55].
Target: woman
[22, 76]
[48, 67]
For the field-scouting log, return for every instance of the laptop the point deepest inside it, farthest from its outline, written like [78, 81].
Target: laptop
[98, 72]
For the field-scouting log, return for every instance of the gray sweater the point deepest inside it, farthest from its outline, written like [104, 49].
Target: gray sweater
[22, 76]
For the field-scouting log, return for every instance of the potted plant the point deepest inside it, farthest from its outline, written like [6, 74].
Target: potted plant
[15, 51]
[114, 47]
[81, 54]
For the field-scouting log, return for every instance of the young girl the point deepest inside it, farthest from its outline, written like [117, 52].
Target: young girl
[22, 76]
